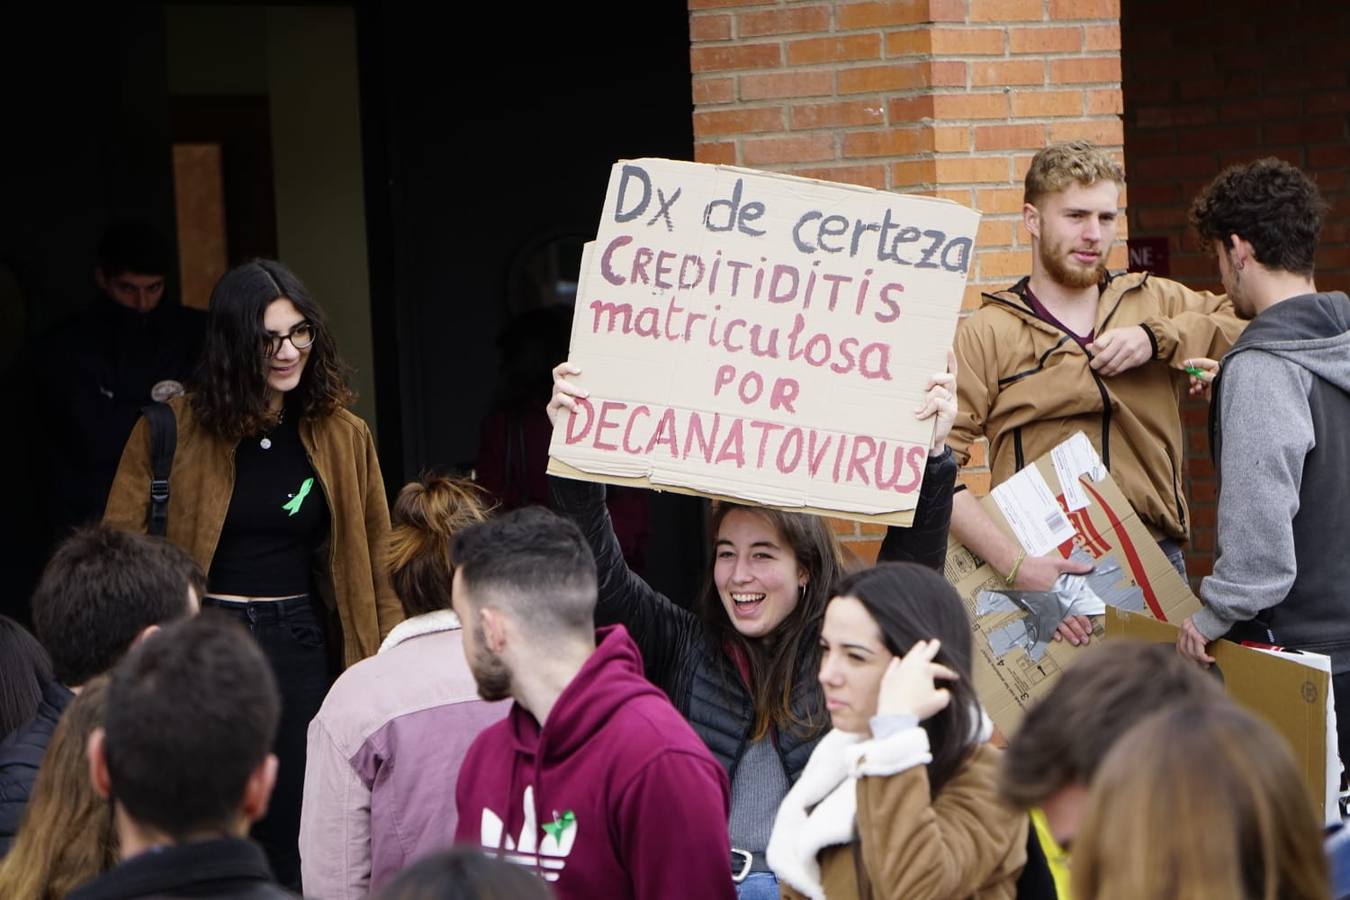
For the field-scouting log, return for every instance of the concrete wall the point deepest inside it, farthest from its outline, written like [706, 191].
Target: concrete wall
[316, 147]
[303, 58]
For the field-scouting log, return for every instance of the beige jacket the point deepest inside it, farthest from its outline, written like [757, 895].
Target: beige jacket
[1026, 386]
[964, 843]
[353, 583]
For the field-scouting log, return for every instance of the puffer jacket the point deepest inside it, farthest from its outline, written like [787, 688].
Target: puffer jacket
[683, 660]
[348, 568]
[1027, 386]
[21, 755]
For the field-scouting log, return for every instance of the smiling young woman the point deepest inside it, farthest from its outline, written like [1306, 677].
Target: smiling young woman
[741, 667]
[277, 494]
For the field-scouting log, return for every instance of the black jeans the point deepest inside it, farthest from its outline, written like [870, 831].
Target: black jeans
[293, 640]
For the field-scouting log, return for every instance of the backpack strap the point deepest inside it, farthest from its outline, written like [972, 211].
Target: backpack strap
[163, 443]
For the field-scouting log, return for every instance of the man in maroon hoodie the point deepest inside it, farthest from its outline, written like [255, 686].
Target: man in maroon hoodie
[593, 780]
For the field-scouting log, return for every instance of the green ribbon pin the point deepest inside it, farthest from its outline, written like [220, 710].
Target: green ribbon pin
[559, 825]
[293, 505]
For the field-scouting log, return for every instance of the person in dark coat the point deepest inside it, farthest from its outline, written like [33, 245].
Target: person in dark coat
[82, 385]
[185, 759]
[102, 592]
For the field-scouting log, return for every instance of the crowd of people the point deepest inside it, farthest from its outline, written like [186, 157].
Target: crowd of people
[254, 680]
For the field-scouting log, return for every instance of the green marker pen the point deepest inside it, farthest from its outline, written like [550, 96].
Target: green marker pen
[1198, 373]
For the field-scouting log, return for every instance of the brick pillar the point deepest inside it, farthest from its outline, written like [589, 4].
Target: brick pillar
[942, 97]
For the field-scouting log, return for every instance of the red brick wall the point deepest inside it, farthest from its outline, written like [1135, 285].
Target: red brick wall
[1208, 86]
[949, 97]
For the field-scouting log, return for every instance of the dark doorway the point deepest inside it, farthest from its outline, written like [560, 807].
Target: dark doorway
[487, 143]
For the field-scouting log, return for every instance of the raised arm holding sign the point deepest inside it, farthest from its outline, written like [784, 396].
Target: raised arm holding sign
[772, 340]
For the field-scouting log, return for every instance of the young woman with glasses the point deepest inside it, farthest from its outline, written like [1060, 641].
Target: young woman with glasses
[276, 492]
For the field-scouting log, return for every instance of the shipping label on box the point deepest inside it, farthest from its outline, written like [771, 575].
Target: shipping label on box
[1065, 503]
[1290, 690]
[763, 337]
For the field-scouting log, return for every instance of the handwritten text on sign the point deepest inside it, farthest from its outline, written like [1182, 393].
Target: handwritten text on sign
[762, 336]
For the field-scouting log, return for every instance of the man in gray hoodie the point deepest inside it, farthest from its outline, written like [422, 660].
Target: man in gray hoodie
[1279, 423]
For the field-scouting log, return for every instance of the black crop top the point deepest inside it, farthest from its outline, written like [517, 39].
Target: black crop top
[278, 517]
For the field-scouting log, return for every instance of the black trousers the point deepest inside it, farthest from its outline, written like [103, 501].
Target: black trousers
[291, 636]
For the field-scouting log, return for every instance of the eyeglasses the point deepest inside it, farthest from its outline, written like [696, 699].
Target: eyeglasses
[301, 336]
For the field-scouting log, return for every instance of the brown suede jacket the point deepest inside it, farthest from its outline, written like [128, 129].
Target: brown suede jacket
[965, 843]
[1027, 385]
[353, 584]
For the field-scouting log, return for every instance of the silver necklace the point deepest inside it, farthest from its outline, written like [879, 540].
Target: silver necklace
[266, 442]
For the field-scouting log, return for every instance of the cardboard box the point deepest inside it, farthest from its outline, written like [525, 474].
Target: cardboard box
[1067, 503]
[763, 337]
[1290, 690]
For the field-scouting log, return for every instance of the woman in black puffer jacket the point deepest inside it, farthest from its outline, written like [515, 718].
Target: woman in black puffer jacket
[742, 667]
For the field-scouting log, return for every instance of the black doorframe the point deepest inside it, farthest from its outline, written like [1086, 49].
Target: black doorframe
[381, 196]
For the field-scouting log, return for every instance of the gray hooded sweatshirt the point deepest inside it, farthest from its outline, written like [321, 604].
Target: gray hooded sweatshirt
[1280, 428]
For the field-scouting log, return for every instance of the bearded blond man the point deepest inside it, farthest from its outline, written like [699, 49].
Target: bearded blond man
[1077, 347]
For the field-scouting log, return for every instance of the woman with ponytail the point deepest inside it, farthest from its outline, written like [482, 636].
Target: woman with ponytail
[385, 749]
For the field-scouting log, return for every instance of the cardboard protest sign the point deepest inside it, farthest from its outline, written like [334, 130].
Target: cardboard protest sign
[763, 337]
[1064, 503]
[1290, 690]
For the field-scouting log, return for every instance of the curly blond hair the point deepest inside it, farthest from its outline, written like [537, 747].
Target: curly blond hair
[1055, 167]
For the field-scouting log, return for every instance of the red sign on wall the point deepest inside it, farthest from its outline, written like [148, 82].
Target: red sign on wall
[1149, 254]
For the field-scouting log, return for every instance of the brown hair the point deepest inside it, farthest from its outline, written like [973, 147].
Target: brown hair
[776, 659]
[426, 515]
[1056, 167]
[1223, 786]
[67, 835]
[1109, 689]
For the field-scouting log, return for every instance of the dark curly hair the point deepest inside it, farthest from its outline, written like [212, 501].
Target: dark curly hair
[230, 391]
[1269, 203]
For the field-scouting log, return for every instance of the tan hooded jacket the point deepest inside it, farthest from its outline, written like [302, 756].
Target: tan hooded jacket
[1027, 385]
[353, 583]
[964, 843]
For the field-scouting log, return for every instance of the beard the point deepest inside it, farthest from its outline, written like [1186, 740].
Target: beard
[1067, 272]
[490, 673]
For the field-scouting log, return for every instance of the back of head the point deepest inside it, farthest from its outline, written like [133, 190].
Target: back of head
[136, 247]
[1060, 165]
[1271, 204]
[192, 712]
[464, 874]
[425, 517]
[912, 603]
[533, 564]
[1200, 800]
[67, 834]
[1108, 690]
[100, 590]
[24, 669]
